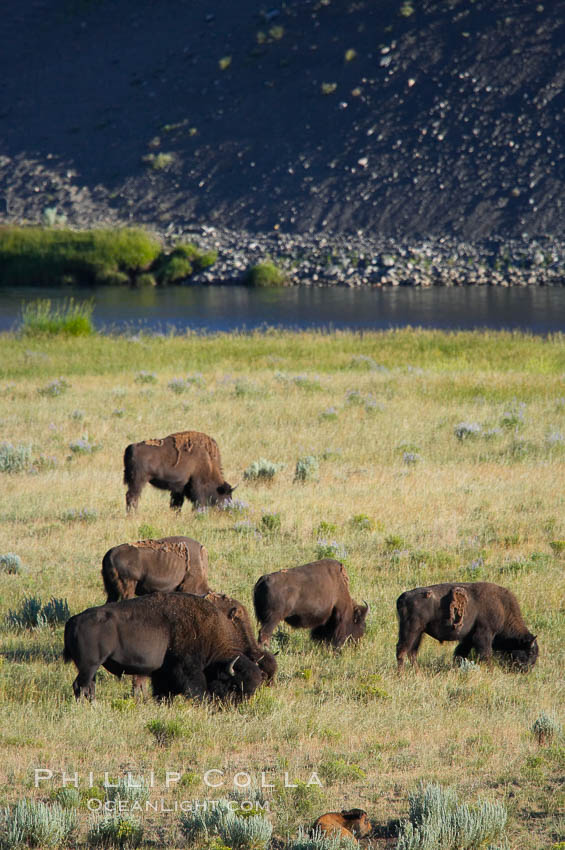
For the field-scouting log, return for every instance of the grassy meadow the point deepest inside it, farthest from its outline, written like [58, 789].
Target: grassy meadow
[439, 457]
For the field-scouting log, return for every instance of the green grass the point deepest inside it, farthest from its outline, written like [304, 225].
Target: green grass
[35, 256]
[72, 318]
[468, 509]
[265, 274]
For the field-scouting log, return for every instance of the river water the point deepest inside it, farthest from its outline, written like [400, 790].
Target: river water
[539, 310]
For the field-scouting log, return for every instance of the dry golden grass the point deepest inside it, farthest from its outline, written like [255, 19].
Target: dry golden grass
[481, 508]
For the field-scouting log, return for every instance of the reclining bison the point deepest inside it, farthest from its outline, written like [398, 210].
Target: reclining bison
[188, 464]
[183, 642]
[313, 596]
[349, 823]
[479, 615]
[172, 563]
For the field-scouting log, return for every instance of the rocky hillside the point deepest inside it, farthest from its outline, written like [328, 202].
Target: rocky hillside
[403, 118]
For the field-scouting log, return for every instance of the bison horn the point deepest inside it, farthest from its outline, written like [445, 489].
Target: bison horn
[366, 605]
[231, 671]
[260, 659]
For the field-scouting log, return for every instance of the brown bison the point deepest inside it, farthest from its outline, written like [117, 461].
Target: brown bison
[314, 596]
[239, 616]
[188, 464]
[352, 823]
[171, 563]
[184, 642]
[479, 615]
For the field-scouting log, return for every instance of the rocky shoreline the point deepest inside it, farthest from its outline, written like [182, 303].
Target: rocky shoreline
[362, 260]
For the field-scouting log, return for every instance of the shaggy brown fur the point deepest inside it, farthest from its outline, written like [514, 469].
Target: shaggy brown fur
[187, 463]
[171, 563]
[313, 596]
[239, 616]
[188, 440]
[480, 615]
[352, 823]
[183, 642]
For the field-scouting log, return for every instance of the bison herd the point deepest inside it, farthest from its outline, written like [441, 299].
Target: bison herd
[162, 621]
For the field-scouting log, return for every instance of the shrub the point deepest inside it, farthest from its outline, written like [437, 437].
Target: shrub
[466, 430]
[265, 275]
[79, 515]
[34, 615]
[307, 468]
[331, 549]
[269, 522]
[70, 318]
[14, 458]
[558, 546]
[36, 824]
[362, 522]
[49, 257]
[237, 830]
[262, 469]
[545, 728]
[165, 731]
[182, 262]
[436, 819]
[10, 563]
[54, 388]
[115, 831]
[318, 840]
[513, 417]
[133, 789]
[83, 446]
[144, 377]
[410, 458]
[68, 798]
[330, 414]
[362, 361]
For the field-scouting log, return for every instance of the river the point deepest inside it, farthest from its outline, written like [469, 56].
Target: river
[539, 310]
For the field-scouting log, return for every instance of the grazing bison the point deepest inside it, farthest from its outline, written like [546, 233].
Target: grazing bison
[352, 823]
[188, 464]
[239, 616]
[184, 642]
[314, 596]
[172, 563]
[479, 615]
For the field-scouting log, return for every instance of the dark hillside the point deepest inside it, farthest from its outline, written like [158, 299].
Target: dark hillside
[400, 118]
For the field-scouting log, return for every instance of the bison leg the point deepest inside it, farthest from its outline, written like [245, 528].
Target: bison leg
[177, 500]
[463, 649]
[84, 684]
[482, 642]
[408, 644]
[132, 498]
[139, 687]
[267, 629]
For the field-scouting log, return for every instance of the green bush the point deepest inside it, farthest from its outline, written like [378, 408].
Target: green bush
[262, 470]
[34, 615]
[318, 840]
[71, 318]
[34, 255]
[115, 831]
[545, 728]
[184, 260]
[14, 458]
[10, 563]
[34, 824]
[237, 830]
[264, 275]
[307, 468]
[437, 819]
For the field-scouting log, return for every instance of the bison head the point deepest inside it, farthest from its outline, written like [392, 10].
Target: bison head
[209, 492]
[525, 656]
[356, 821]
[233, 680]
[358, 623]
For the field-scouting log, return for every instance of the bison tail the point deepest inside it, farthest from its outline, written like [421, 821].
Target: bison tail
[128, 466]
[67, 654]
[111, 578]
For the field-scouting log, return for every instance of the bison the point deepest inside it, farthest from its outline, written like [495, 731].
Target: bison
[313, 596]
[184, 642]
[188, 464]
[172, 563]
[239, 616]
[479, 615]
[349, 823]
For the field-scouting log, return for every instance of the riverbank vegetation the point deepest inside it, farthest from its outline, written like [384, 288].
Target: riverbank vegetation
[37, 256]
[438, 457]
